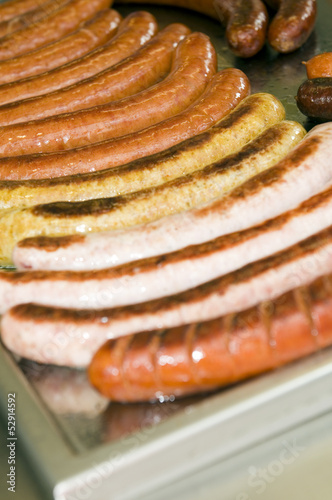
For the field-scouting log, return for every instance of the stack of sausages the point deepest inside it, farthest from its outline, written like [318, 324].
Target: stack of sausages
[149, 203]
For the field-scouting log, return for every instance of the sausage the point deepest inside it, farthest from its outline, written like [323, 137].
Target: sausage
[13, 8]
[304, 172]
[226, 89]
[110, 84]
[319, 66]
[202, 356]
[245, 21]
[314, 98]
[193, 67]
[292, 24]
[249, 119]
[95, 32]
[30, 17]
[61, 22]
[32, 331]
[136, 30]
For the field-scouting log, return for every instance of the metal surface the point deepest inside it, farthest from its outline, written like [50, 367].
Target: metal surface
[85, 448]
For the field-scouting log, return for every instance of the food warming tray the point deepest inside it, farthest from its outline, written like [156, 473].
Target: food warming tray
[99, 451]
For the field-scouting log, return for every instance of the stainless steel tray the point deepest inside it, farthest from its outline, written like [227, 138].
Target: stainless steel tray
[83, 447]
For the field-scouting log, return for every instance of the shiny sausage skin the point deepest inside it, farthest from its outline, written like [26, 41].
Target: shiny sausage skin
[305, 171]
[13, 8]
[250, 118]
[194, 65]
[245, 21]
[319, 66]
[31, 17]
[136, 30]
[61, 22]
[292, 24]
[226, 89]
[202, 356]
[314, 98]
[28, 330]
[130, 76]
[88, 37]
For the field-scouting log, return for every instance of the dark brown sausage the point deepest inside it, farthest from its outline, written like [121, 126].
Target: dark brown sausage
[314, 99]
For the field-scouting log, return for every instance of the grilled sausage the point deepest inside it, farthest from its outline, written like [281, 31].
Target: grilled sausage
[32, 331]
[292, 25]
[193, 67]
[245, 21]
[314, 98]
[303, 173]
[202, 356]
[61, 22]
[13, 8]
[249, 119]
[319, 66]
[93, 33]
[136, 30]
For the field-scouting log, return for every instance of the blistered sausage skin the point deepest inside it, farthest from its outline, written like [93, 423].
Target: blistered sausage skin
[223, 93]
[250, 118]
[136, 30]
[30, 330]
[292, 24]
[193, 67]
[13, 8]
[61, 22]
[304, 172]
[166, 274]
[202, 356]
[88, 37]
[245, 21]
[129, 77]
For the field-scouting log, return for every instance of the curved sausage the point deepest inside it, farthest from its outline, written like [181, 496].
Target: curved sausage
[92, 34]
[61, 22]
[28, 329]
[202, 356]
[245, 21]
[13, 8]
[314, 98]
[31, 17]
[136, 30]
[249, 119]
[292, 25]
[304, 172]
[319, 66]
[193, 67]
[226, 89]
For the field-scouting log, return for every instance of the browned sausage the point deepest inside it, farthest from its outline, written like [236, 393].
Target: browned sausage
[245, 20]
[193, 67]
[61, 22]
[223, 93]
[314, 99]
[136, 30]
[202, 356]
[12, 8]
[319, 66]
[292, 25]
[88, 37]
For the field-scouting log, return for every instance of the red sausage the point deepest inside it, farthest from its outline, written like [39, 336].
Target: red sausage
[202, 356]
[319, 66]
[193, 66]
[292, 25]
[88, 37]
[61, 22]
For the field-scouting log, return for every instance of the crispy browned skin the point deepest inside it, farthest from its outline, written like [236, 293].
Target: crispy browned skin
[292, 24]
[31, 17]
[61, 22]
[202, 356]
[245, 20]
[13, 8]
[89, 36]
[314, 98]
[319, 66]
[135, 31]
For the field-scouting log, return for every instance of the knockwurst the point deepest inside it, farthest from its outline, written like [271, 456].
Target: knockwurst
[245, 20]
[249, 119]
[29, 330]
[193, 67]
[304, 172]
[93, 33]
[202, 356]
[61, 22]
[226, 89]
[135, 31]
